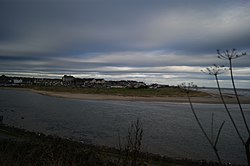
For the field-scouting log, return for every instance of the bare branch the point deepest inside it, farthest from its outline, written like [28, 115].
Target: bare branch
[218, 134]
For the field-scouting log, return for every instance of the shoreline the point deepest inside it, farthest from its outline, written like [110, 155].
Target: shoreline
[208, 99]
[211, 99]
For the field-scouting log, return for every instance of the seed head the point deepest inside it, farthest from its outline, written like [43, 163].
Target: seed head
[229, 54]
[214, 70]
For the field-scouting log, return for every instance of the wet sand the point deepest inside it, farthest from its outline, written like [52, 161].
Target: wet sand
[212, 99]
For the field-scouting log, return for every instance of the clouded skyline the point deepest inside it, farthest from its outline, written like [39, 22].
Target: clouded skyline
[155, 41]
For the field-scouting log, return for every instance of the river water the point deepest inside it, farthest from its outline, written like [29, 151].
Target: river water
[169, 128]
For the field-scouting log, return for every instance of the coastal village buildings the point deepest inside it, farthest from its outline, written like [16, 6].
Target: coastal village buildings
[70, 81]
[93, 82]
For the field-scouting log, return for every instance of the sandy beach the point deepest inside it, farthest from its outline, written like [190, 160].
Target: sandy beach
[213, 99]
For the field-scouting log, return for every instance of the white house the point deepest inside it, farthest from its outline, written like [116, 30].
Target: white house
[17, 81]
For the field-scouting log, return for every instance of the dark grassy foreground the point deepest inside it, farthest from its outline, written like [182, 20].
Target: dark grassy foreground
[140, 92]
[23, 148]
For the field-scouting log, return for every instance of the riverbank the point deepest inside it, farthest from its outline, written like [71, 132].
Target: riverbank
[21, 147]
[173, 96]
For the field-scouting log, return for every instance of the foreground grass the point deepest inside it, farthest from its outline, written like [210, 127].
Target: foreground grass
[140, 92]
[25, 148]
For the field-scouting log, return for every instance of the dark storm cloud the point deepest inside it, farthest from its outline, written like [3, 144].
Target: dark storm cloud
[96, 35]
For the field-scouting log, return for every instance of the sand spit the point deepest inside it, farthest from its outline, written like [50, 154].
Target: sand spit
[208, 99]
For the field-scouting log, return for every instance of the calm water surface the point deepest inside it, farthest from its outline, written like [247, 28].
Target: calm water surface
[169, 128]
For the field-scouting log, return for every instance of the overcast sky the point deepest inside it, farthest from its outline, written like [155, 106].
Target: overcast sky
[155, 41]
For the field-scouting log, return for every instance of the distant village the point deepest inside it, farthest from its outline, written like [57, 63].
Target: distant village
[70, 81]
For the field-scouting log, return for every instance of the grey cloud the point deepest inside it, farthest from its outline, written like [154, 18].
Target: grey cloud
[92, 36]
[125, 25]
[162, 58]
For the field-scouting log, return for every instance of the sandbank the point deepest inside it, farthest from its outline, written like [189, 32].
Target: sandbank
[211, 99]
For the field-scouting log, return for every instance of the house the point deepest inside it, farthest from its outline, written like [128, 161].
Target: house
[140, 85]
[156, 86]
[17, 81]
[99, 81]
[66, 78]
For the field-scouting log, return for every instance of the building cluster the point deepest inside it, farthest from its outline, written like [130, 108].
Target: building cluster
[96, 83]
[70, 81]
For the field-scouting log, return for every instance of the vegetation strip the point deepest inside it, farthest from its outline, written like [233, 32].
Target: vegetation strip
[32, 148]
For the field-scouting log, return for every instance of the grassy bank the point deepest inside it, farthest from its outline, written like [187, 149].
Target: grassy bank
[23, 148]
[140, 92]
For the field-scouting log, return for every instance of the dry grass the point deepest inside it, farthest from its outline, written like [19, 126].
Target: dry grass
[36, 149]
